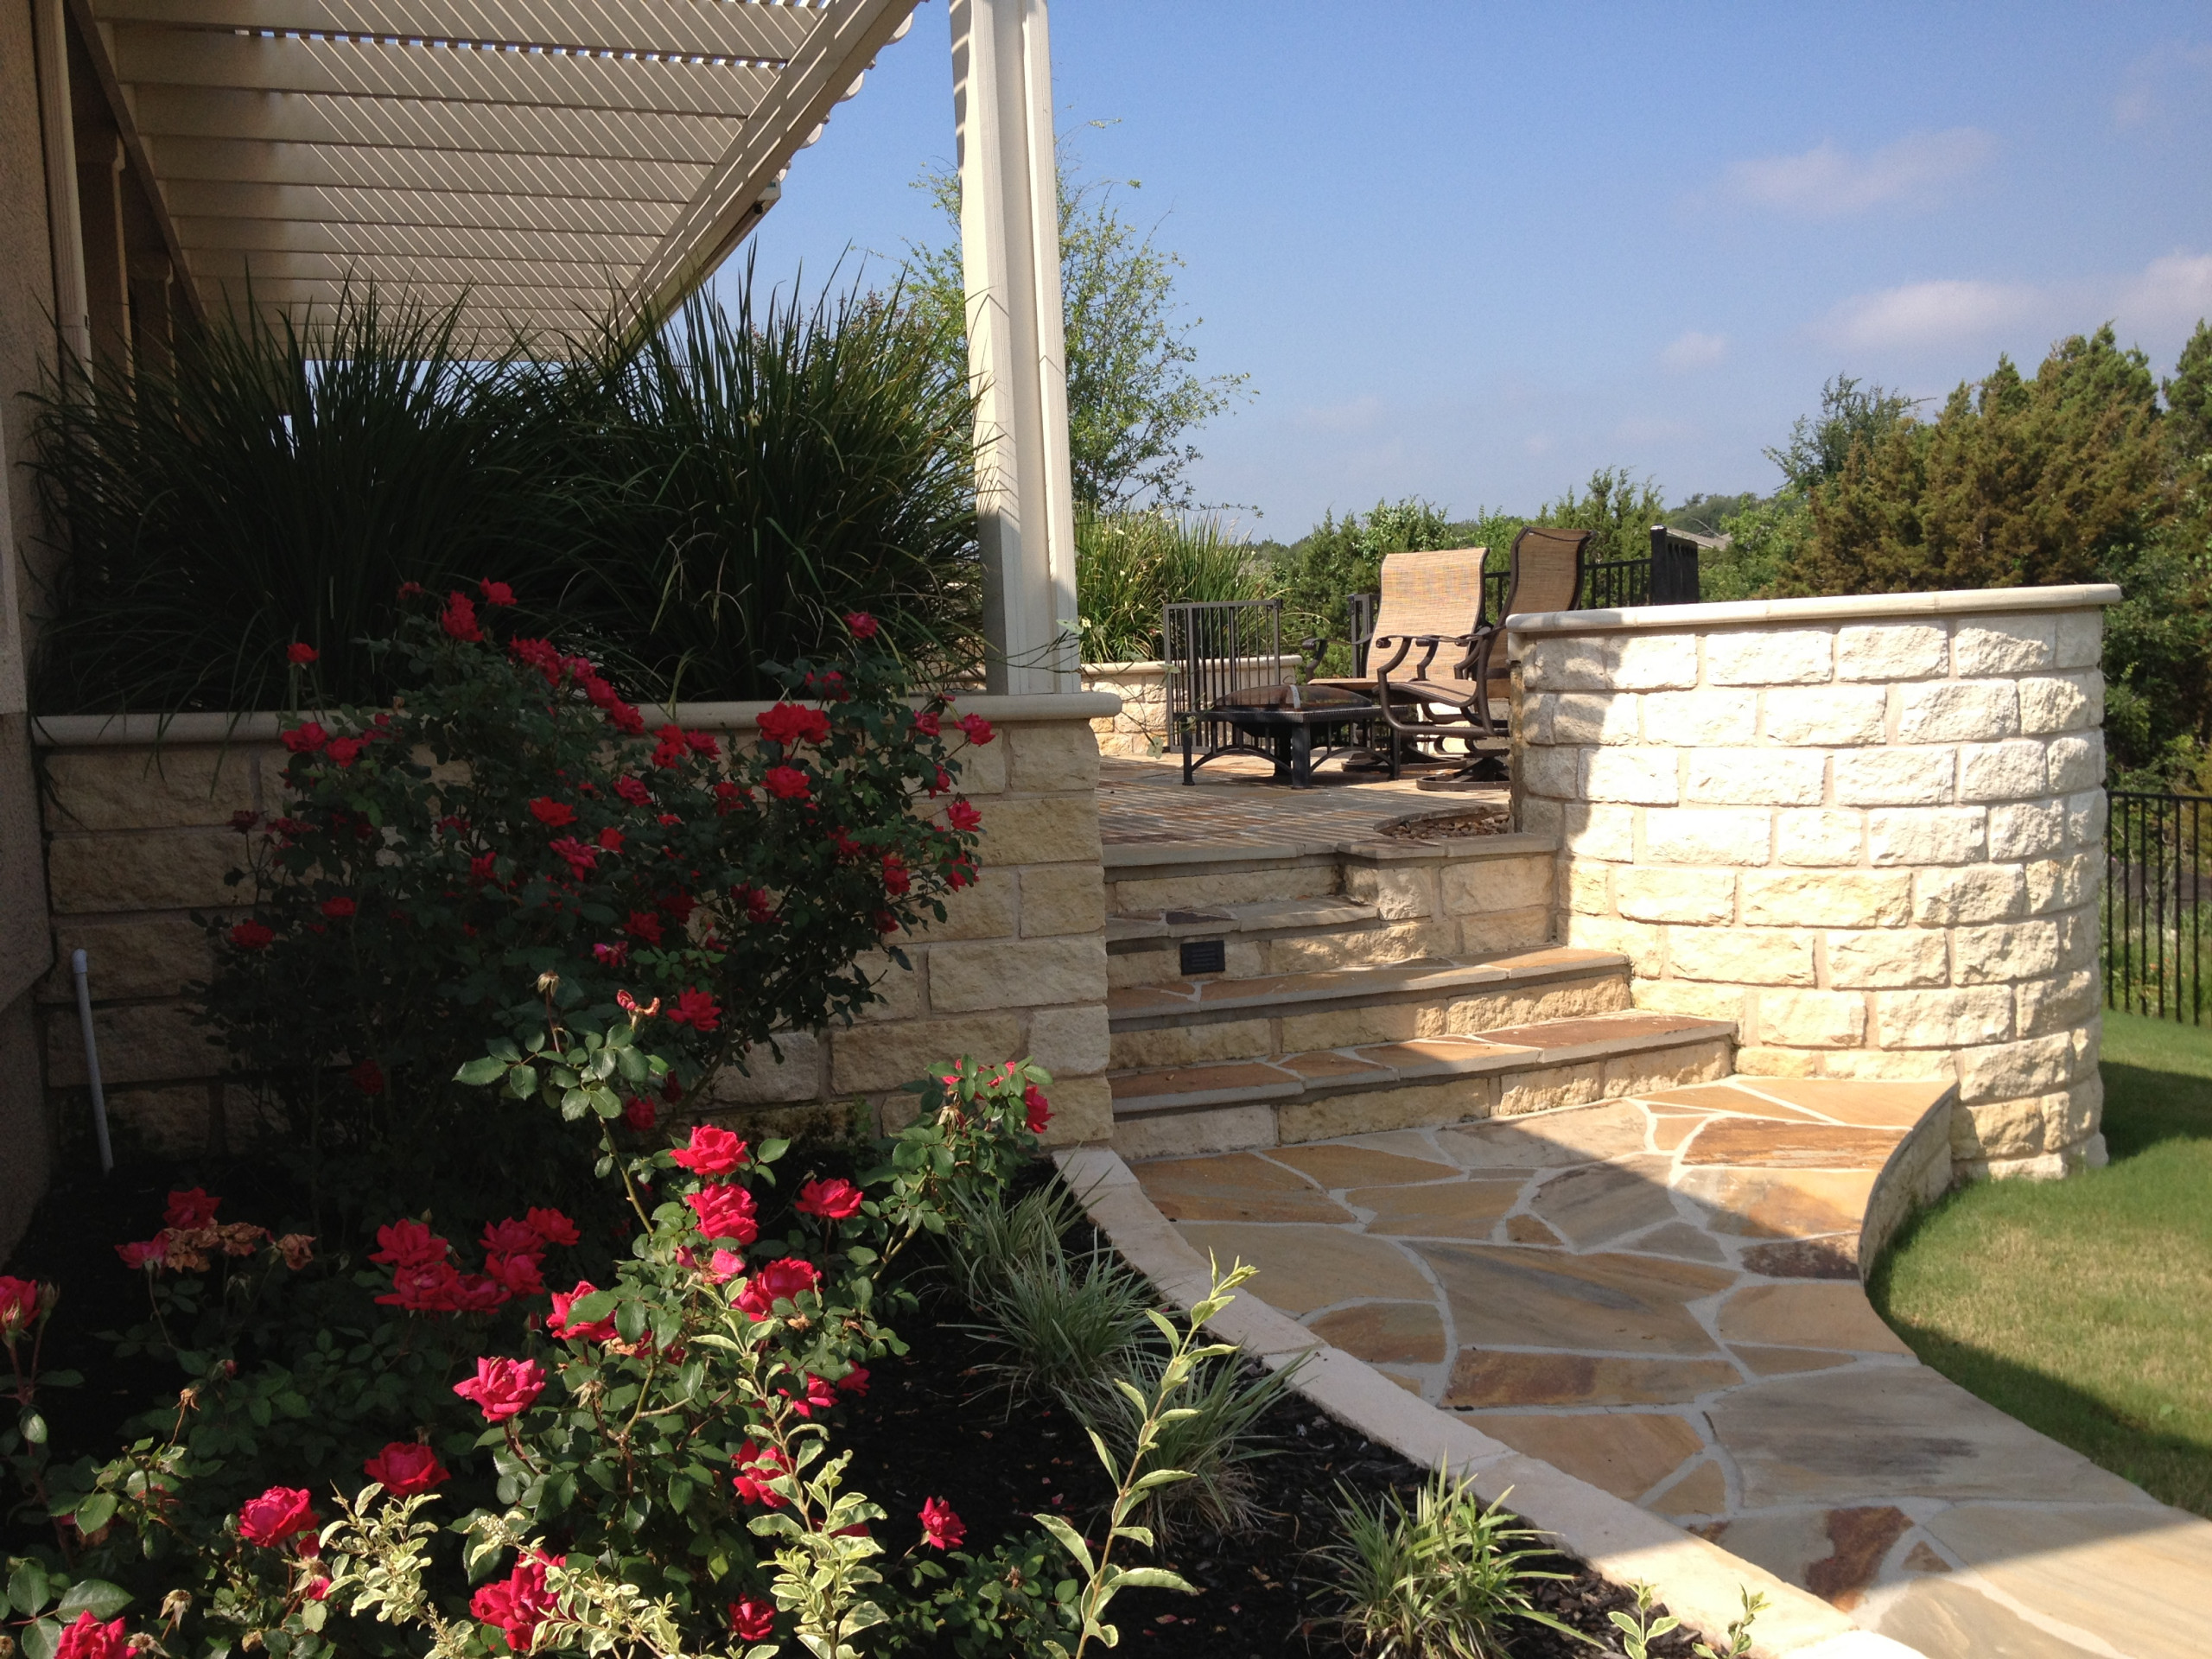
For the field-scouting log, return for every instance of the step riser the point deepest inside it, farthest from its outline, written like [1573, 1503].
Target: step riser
[1203, 888]
[1418, 1104]
[1456, 1013]
[1301, 951]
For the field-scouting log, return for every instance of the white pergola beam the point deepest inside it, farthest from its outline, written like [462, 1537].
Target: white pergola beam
[1010, 248]
[241, 161]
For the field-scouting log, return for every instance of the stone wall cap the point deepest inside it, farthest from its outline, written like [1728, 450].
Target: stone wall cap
[99, 731]
[1676, 619]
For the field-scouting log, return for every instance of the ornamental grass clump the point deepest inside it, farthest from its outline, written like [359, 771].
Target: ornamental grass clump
[510, 838]
[1447, 1578]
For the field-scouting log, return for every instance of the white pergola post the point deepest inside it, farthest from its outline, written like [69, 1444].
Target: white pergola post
[1017, 344]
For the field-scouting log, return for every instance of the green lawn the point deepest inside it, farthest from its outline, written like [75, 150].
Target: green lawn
[2084, 1306]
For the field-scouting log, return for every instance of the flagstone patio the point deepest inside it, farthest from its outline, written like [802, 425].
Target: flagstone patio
[1660, 1296]
[1234, 801]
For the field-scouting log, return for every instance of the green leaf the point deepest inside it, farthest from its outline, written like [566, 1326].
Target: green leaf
[1069, 1539]
[630, 1320]
[501, 1049]
[769, 1150]
[94, 1596]
[33, 1427]
[477, 1073]
[522, 1082]
[95, 1512]
[28, 1587]
[591, 1309]
[41, 1640]
[1158, 1578]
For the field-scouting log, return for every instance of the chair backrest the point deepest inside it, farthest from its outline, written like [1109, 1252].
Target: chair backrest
[1547, 570]
[1437, 592]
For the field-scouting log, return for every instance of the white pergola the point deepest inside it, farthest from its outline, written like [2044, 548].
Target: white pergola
[548, 164]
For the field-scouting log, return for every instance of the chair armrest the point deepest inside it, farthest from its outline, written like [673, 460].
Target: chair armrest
[1310, 652]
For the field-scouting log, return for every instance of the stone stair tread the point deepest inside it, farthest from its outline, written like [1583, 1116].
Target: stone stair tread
[1213, 921]
[1520, 1048]
[1340, 984]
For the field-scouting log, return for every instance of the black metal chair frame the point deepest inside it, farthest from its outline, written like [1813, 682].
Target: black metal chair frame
[1216, 651]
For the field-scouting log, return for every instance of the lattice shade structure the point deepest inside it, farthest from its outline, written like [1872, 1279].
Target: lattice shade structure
[550, 163]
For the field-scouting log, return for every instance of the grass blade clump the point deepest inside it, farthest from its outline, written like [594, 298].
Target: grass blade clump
[1129, 564]
[1443, 1579]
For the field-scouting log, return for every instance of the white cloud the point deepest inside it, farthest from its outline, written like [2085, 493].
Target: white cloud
[1355, 415]
[1929, 314]
[2155, 83]
[1826, 183]
[1695, 350]
[2173, 292]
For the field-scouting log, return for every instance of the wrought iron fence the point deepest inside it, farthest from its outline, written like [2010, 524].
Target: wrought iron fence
[2156, 891]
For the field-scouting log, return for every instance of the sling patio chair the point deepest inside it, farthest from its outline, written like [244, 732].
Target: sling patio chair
[1430, 600]
[1420, 704]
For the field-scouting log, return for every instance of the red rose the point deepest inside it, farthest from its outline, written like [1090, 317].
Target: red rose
[459, 619]
[502, 1388]
[780, 1280]
[961, 814]
[862, 625]
[368, 1077]
[411, 590]
[478, 1293]
[145, 1250]
[276, 1514]
[1040, 1109]
[941, 1528]
[580, 859]
[750, 1620]
[854, 1381]
[304, 739]
[643, 924]
[832, 1200]
[788, 723]
[942, 782]
[88, 1638]
[551, 1226]
[611, 956]
[927, 723]
[724, 1212]
[19, 1301]
[713, 1152]
[516, 1274]
[610, 839]
[829, 684]
[339, 908]
[347, 750]
[244, 819]
[300, 655]
[817, 1395]
[554, 815]
[190, 1208]
[562, 1324]
[496, 592]
[519, 1602]
[509, 1236]
[632, 789]
[408, 1243]
[786, 783]
[251, 935]
[638, 1113]
[424, 1287]
[405, 1467]
[696, 1009]
[978, 729]
[756, 1467]
[480, 868]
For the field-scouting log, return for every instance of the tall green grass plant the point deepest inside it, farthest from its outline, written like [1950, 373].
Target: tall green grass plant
[1128, 565]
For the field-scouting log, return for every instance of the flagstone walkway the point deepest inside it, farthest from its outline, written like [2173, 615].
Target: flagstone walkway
[1235, 801]
[1661, 1296]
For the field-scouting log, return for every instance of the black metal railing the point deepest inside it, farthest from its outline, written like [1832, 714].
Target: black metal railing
[2157, 889]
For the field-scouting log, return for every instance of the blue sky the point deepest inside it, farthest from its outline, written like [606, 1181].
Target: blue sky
[1473, 251]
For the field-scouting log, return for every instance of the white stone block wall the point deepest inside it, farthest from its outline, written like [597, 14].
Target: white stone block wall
[1869, 830]
[137, 838]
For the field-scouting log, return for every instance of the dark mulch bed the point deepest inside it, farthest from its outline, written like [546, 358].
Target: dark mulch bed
[1451, 826]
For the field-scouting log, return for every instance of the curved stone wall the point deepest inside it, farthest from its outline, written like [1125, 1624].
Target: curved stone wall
[1869, 830]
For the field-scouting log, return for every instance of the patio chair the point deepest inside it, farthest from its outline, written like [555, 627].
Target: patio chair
[1430, 600]
[1545, 575]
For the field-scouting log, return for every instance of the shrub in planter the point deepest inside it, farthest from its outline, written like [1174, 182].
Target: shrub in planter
[511, 823]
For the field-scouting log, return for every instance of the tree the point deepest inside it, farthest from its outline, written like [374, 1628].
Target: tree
[1818, 449]
[1133, 398]
[1618, 511]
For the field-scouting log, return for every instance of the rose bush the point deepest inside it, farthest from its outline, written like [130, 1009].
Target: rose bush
[509, 823]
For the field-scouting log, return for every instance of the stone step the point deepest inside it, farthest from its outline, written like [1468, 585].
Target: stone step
[1190, 1022]
[1284, 1098]
[1274, 935]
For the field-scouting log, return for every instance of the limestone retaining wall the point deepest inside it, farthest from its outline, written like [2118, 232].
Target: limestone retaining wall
[1869, 829]
[139, 837]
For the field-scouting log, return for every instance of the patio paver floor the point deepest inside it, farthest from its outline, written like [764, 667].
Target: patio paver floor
[1234, 801]
[1660, 1296]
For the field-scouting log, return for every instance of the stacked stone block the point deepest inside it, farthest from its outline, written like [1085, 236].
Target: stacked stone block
[138, 839]
[1868, 830]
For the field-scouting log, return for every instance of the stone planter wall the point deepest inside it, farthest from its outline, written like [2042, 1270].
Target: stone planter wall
[1870, 831]
[1139, 728]
[138, 838]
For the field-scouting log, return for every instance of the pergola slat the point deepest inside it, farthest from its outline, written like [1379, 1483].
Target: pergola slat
[361, 166]
[424, 124]
[187, 58]
[220, 198]
[710, 27]
[395, 271]
[441, 241]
